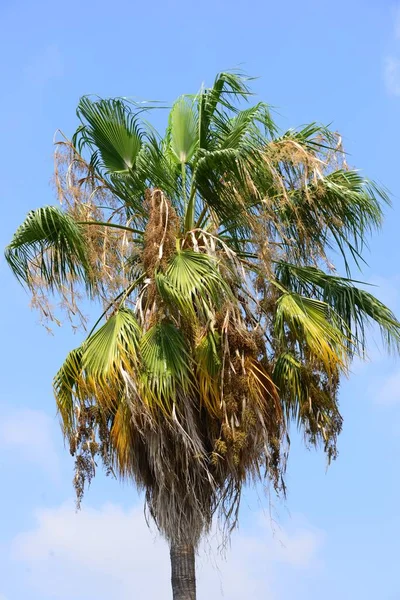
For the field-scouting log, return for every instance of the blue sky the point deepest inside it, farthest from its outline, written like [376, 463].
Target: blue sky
[338, 532]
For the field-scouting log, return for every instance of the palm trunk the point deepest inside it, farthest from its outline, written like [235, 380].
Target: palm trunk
[183, 573]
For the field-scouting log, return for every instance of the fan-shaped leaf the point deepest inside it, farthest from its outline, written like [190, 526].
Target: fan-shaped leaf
[287, 377]
[183, 130]
[166, 364]
[192, 280]
[111, 348]
[309, 322]
[207, 356]
[49, 244]
[355, 307]
[66, 387]
[111, 127]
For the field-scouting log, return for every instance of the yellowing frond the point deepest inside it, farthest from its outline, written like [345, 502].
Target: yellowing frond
[66, 387]
[109, 351]
[307, 322]
[208, 363]
[123, 432]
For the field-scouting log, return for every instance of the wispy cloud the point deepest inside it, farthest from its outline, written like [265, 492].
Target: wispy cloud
[110, 553]
[392, 75]
[391, 67]
[29, 435]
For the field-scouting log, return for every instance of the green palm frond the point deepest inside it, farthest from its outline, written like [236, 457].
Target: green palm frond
[49, 244]
[112, 349]
[155, 168]
[112, 130]
[166, 364]
[356, 307]
[192, 282]
[356, 203]
[337, 212]
[99, 367]
[183, 130]
[228, 87]
[313, 137]
[222, 179]
[242, 129]
[287, 377]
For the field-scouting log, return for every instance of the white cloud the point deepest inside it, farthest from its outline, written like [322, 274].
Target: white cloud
[29, 433]
[110, 553]
[389, 391]
[391, 75]
[391, 67]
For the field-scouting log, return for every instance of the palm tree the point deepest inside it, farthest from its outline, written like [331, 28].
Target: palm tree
[223, 318]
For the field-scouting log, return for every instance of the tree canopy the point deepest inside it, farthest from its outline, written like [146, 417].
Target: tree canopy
[210, 250]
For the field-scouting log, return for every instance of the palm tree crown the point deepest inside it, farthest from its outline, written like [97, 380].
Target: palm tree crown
[224, 320]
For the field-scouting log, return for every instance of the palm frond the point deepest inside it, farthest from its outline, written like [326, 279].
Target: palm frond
[310, 399]
[208, 362]
[356, 307]
[263, 390]
[233, 132]
[192, 281]
[310, 322]
[183, 130]
[156, 170]
[287, 378]
[50, 245]
[314, 137]
[227, 87]
[112, 349]
[123, 436]
[223, 179]
[338, 211]
[109, 127]
[66, 388]
[166, 365]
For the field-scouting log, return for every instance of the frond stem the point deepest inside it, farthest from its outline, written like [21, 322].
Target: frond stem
[115, 225]
[125, 293]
